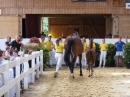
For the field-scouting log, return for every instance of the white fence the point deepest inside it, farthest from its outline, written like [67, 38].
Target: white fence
[9, 84]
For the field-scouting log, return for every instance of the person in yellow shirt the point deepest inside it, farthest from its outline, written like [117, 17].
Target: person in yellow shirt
[49, 45]
[59, 47]
[42, 44]
[84, 52]
[103, 48]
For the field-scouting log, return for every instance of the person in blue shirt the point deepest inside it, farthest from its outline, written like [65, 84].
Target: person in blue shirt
[119, 52]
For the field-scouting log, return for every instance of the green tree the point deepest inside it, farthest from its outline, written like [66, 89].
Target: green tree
[45, 25]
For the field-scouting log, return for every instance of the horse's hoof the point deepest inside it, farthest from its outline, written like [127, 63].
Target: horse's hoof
[55, 74]
[89, 76]
[71, 77]
[81, 74]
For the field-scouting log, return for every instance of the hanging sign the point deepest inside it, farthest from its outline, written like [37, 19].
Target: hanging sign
[89, 0]
[127, 4]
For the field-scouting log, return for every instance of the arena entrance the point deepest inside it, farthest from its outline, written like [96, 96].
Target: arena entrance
[90, 26]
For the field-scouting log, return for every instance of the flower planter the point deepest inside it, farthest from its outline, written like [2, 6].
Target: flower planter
[111, 64]
[96, 63]
[31, 46]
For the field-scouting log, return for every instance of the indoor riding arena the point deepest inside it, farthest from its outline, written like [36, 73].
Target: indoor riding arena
[64, 48]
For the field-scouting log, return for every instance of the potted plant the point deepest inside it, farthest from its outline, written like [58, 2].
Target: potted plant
[126, 59]
[45, 56]
[110, 55]
[97, 54]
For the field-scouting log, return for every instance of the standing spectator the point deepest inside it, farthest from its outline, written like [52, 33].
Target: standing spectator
[84, 52]
[103, 48]
[7, 43]
[59, 46]
[42, 43]
[16, 44]
[20, 40]
[49, 46]
[119, 52]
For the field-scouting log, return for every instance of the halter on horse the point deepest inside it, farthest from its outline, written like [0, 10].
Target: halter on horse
[73, 48]
[91, 57]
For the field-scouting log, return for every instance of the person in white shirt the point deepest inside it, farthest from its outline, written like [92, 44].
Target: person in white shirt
[1, 57]
[7, 52]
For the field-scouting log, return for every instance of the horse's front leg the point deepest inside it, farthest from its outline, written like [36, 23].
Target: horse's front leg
[80, 58]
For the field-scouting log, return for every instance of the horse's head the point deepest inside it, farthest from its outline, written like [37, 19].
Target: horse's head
[91, 43]
[76, 32]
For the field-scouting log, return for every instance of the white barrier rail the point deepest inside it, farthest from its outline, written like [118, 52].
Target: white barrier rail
[38, 66]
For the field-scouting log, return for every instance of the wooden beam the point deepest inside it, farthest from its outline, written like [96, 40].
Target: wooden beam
[96, 32]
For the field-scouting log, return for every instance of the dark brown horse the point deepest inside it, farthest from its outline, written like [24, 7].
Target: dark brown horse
[73, 48]
[91, 57]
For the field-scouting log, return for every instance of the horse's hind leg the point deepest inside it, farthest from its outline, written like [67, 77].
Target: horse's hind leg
[80, 58]
[92, 68]
[89, 68]
[72, 66]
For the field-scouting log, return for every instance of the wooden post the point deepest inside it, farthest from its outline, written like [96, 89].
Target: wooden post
[126, 39]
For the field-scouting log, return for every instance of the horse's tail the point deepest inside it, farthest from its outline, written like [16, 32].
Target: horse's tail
[68, 51]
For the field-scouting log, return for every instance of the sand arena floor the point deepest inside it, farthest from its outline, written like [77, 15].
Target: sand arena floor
[106, 82]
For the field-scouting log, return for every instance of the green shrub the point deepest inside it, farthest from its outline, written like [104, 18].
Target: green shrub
[97, 50]
[45, 56]
[110, 53]
[97, 54]
[126, 53]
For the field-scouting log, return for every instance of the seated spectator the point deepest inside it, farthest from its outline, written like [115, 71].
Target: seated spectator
[7, 43]
[15, 54]
[7, 52]
[29, 52]
[1, 57]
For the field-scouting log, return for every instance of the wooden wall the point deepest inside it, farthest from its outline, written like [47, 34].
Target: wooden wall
[124, 26]
[8, 26]
[20, 7]
[90, 27]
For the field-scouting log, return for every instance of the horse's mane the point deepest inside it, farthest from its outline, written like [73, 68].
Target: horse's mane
[91, 43]
[76, 32]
